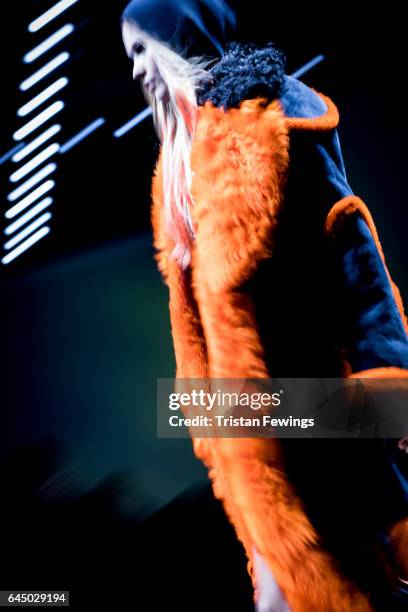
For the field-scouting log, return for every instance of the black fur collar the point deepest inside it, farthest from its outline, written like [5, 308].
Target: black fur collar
[245, 71]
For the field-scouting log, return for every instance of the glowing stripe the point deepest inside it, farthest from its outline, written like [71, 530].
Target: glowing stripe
[300, 71]
[42, 97]
[48, 43]
[81, 135]
[26, 245]
[133, 122]
[44, 71]
[10, 153]
[37, 142]
[35, 162]
[32, 197]
[32, 125]
[13, 227]
[14, 195]
[27, 231]
[49, 15]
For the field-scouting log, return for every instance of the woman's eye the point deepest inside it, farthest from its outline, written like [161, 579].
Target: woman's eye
[138, 48]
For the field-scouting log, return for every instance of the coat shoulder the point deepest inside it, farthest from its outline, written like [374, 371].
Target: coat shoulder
[307, 109]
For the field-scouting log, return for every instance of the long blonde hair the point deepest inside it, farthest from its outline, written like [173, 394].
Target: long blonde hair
[175, 119]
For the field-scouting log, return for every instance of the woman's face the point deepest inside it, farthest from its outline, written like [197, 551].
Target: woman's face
[144, 66]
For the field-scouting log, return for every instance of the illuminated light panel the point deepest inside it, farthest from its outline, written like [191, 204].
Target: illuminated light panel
[27, 231]
[32, 197]
[35, 162]
[42, 97]
[51, 14]
[26, 245]
[45, 71]
[133, 122]
[37, 142]
[13, 227]
[30, 227]
[81, 135]
[32, 125]
[48, 43]
[36, 178]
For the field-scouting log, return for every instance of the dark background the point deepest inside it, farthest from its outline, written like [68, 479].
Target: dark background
[85, 329]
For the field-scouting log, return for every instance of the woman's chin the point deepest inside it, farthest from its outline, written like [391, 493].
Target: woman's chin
[160, 92]
[156, 94]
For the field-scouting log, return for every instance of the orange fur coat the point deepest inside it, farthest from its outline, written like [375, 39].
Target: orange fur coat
[240, 161]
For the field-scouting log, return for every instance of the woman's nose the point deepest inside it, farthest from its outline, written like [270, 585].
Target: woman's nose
[138, 72]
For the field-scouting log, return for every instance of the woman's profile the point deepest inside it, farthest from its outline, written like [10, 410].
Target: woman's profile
[274, 268]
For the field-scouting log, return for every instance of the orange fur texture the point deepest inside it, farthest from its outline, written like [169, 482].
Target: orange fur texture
[240, 160]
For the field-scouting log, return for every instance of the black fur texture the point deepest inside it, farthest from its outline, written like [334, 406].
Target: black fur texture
[245, 71]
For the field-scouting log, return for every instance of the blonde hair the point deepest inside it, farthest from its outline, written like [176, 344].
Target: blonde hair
[175, 119]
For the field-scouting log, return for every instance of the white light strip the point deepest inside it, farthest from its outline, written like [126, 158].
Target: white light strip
[13, 227]
[27, 231]
[14, 195]
[26, 244]
[35, 162]
[34, 195]
[42, 97]
[49, 15]
[48, 43]
[37, 142]
[44, 71]
[32, 125]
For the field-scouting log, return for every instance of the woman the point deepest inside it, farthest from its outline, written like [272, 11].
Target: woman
[274, 268]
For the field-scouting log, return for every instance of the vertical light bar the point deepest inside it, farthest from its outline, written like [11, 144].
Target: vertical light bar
[51, 14]
[26, 245]
[27, 194]
[52, 65]
[48, 43]
[42, 97]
